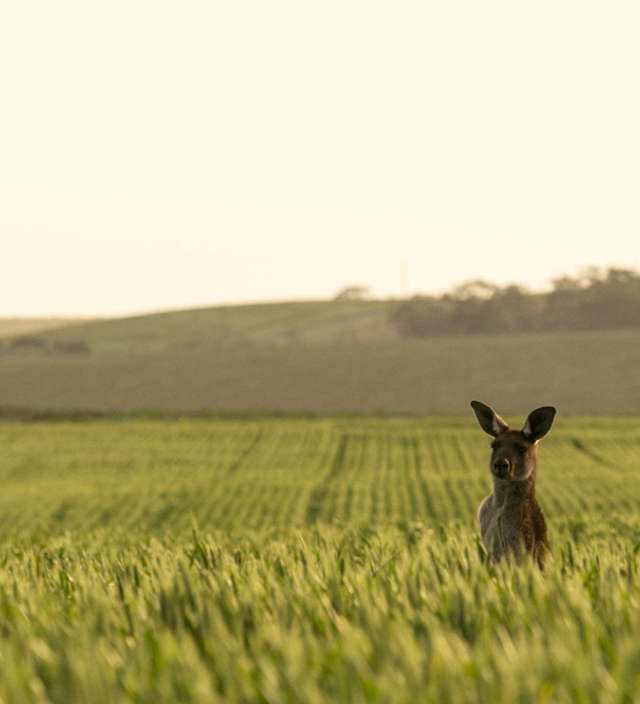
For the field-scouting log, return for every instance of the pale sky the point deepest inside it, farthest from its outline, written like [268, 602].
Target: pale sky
[169, 154]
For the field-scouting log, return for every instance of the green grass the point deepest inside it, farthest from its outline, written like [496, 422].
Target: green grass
[310, 560]
[321, 357]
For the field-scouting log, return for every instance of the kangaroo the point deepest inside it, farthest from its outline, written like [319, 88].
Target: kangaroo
[510, 517]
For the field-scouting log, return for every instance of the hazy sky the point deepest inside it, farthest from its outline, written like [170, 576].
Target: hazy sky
[162, 154]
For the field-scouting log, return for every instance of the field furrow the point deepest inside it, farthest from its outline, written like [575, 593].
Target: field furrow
[319, 494]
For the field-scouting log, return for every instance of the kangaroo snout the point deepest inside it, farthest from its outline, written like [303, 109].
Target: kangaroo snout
[501, 468]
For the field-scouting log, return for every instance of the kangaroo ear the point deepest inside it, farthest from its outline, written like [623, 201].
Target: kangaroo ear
[539, 423]
[489, 420]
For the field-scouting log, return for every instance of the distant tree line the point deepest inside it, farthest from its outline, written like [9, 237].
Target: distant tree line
[602, 299]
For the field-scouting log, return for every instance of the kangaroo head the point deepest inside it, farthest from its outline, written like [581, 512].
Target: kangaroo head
[513, 452]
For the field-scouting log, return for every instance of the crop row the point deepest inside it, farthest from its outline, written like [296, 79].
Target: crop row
[275, 474]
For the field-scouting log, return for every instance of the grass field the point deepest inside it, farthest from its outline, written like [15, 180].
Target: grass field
[321, 357]
[310, 560]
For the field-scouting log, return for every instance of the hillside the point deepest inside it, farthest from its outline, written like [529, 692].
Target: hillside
[269, 324]
[10, 327]
[316, 357]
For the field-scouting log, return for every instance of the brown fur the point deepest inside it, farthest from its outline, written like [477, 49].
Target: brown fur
[511, 520]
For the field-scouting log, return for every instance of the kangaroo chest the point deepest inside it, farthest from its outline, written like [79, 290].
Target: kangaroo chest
[505, 527]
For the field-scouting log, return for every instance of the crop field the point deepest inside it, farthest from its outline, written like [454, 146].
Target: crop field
[328, 559]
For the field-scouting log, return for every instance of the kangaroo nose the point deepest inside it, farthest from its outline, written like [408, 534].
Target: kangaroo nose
[501, 467]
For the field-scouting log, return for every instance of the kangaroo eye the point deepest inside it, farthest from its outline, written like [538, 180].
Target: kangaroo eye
[522, 449]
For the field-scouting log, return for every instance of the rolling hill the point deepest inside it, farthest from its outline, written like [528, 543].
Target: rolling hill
[11, 327]
[318, 357]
